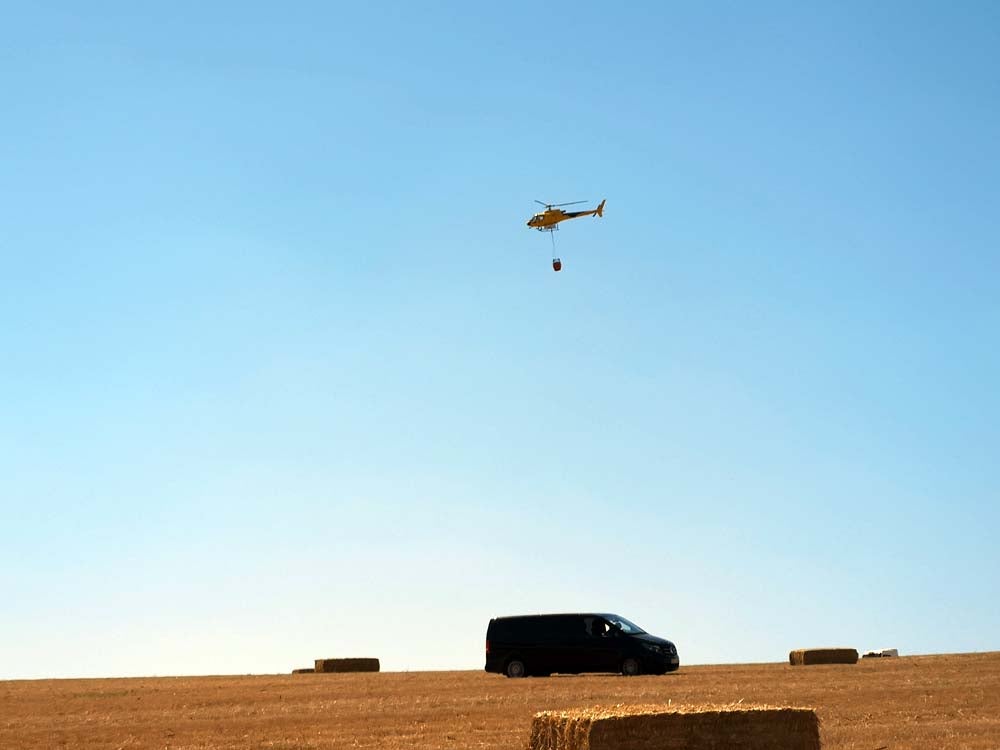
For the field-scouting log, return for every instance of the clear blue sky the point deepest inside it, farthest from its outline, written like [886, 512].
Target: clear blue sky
[285, 375]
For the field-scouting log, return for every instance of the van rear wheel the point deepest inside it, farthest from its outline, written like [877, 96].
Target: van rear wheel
[631, 667]
[515, 668]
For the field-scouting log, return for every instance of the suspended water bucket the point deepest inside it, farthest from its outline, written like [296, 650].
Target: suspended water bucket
[556, 264]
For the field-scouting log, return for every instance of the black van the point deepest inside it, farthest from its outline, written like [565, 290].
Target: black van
[542, 644]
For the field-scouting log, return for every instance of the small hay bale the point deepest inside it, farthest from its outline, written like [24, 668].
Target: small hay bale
[347, 665]
[645, 727]
[805, 656]
[304, 670]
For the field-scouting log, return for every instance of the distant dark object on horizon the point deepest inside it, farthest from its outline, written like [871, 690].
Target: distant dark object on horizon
[347, 665]
[539, 645]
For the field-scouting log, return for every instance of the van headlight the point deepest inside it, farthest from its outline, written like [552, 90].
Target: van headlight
[655, 648]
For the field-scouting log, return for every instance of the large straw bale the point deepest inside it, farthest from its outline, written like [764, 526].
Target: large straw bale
[700, 727]
[806, 656]
[347, 665]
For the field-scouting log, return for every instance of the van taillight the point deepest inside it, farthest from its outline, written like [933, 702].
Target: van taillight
[487, 647]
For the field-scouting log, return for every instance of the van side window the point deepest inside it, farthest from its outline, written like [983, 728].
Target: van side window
[567, 626]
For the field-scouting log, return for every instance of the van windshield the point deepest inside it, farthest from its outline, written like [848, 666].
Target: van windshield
[629, 628]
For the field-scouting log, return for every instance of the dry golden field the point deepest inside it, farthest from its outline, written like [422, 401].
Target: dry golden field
[929, 702]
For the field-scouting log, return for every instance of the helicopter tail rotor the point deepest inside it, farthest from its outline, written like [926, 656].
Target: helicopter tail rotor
[600, 208]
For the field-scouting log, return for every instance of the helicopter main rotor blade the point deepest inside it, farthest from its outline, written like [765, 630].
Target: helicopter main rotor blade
[572, 203]
[547, 205]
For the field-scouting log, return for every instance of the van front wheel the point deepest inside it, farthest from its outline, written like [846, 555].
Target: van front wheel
[515, 668]
[630, 667]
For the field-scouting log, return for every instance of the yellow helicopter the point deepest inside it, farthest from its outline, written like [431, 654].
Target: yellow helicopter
[548, 221]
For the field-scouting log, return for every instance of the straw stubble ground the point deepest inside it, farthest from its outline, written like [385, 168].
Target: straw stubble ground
[910, 702]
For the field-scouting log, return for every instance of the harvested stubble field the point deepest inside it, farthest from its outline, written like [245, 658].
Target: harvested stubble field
[911, 702]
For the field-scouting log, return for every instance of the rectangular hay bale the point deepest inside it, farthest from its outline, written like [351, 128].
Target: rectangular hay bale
[347, 665]
[805, 656]
[646, 727]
